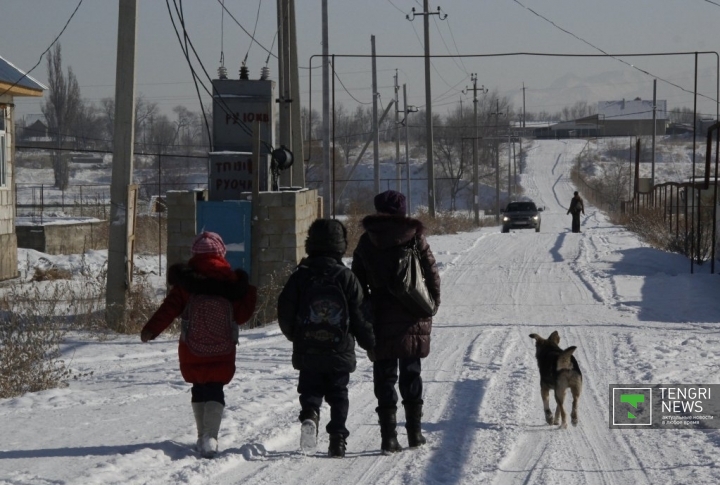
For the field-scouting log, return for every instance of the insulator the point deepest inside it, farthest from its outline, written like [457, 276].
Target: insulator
[222, 72]
[264, 73]
[244, 72]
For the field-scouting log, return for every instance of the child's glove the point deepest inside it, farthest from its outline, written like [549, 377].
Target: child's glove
[371, 355]
[146, 335]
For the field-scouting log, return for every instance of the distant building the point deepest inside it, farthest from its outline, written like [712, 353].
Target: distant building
[35, 128]
[13, 83]
[629, 117]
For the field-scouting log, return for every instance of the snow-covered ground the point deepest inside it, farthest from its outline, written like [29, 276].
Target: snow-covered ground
[636, 314]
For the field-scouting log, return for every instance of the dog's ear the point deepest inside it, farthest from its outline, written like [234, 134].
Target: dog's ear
[538, 338]
[564, 361]
[554, 337]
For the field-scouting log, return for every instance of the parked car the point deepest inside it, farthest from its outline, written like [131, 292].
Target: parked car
[521, 215]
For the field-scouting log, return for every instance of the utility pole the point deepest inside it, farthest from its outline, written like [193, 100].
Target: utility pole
[398, 171]
[652, 171]
[284, 75]
[376, 133]
[428, 103]
[509, 166]
[298, 166]
[476, 181]
[118, 279]
[327, 185]
[497, 113]
[407, 150]
[523, 105]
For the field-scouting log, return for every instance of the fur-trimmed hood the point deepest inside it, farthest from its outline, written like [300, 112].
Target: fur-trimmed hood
[385, 230]
[195, 282]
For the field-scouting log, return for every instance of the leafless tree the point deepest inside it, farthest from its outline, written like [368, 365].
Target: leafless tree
[60, 109]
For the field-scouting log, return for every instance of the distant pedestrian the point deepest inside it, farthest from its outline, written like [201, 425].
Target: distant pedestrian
[213, 299]
[576, 208]
[319, 311]
[402, 338]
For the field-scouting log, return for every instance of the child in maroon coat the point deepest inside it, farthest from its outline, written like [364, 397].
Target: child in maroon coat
[206, 273]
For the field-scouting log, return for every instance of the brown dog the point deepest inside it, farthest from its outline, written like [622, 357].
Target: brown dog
[558, 370]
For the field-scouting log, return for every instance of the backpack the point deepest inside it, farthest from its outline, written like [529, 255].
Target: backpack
[208, 327]
[323, 316]
[407, 283]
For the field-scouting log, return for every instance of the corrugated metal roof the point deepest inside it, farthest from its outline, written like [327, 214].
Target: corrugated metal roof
[635, 109]
[11, 74]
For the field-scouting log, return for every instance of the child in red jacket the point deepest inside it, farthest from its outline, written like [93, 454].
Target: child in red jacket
[207, 274]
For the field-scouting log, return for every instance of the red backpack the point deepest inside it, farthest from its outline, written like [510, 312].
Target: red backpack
[208, 327]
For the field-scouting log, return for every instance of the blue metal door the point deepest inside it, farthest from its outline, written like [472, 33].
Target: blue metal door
[231, 219]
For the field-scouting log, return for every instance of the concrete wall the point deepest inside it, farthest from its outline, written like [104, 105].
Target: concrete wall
[70, 238]
[181, 222]
[283, 222]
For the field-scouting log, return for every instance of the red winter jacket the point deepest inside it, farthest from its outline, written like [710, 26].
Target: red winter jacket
[206, 274]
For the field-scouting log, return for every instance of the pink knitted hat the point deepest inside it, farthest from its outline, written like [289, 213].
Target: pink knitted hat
[208, 243]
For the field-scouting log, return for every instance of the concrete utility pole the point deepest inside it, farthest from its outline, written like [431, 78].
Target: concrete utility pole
[376, 133]
[407, 148]
[118, 281]
[327, 185]
[298, 166]
[523, 105]
[476, 182]
[509, 166]
[497, 113]
[428, 103]
[652, 166]
[398, 171]
[283, 85]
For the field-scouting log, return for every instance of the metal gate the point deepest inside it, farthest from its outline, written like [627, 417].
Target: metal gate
[231, 219]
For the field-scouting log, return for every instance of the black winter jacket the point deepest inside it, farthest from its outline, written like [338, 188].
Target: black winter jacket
[329, 360]
[398, 333]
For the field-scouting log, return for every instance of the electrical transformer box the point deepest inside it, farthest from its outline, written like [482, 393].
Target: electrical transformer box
[237, 105]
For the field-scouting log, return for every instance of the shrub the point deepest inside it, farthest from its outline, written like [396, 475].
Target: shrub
[30, 342]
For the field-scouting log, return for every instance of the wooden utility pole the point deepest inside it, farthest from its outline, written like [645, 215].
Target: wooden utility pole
[118, 279]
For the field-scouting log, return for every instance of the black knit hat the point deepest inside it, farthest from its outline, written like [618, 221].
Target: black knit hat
[326, 237]
[390, 202]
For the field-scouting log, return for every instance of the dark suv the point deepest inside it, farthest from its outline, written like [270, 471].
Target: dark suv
[521, 215]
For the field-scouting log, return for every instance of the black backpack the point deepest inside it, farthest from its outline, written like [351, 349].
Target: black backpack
[323, 316]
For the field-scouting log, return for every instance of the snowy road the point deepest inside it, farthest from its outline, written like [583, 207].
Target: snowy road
[635, 314]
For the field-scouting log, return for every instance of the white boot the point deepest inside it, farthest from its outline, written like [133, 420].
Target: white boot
[199, 412]
[211, 426]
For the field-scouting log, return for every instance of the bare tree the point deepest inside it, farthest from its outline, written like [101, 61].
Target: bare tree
[60, 109]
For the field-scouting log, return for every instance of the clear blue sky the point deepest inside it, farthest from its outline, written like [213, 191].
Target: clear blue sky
[472, 27]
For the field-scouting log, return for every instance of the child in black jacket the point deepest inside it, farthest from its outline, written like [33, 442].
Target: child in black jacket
[319, 310]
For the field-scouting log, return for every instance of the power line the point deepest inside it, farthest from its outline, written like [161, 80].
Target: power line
[601, 50]
[46, 50]
[710, 1]
[244, 29]
[257, 17]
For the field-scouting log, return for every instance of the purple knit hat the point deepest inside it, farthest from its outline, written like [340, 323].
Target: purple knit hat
[390, 202]
[208, 243]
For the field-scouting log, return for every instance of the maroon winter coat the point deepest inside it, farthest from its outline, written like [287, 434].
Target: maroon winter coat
[398, 333]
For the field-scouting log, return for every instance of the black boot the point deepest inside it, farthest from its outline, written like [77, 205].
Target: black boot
[388, 423]
[337, 446]
[413, 413]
